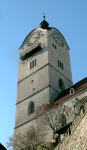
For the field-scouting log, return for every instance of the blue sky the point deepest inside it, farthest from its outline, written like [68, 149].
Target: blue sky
[17, 19]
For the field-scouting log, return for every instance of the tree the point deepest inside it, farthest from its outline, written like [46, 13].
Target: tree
[50, 118]
[47, 116]
[29, 140]
[54, 116]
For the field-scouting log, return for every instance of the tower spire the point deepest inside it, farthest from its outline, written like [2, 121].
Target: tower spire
[44, 24]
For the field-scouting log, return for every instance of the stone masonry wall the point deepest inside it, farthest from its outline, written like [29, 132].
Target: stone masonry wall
[78, 138]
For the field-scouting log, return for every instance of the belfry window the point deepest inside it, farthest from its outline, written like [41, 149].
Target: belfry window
[60, 64]
[31, 108]
[32, 64]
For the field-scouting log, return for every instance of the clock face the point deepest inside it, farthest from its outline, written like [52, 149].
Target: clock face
[58, 38]
[34, 37]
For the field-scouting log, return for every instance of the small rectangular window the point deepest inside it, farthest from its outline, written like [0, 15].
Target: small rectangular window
[62, 66]
[58, 63]
[35, 62]
[55, 46]
[30, 65]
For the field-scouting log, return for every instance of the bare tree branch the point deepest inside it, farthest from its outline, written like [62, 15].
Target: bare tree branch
[29, 140]
[47, 116]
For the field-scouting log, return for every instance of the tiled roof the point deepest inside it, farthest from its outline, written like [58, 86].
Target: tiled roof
[79, 86]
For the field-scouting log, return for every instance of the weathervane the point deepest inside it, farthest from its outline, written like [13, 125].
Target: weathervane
[44, 16]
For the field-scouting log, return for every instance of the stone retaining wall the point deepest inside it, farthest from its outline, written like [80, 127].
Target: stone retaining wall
[78, 138]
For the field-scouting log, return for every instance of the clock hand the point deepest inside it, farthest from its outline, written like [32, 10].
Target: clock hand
[33, 37]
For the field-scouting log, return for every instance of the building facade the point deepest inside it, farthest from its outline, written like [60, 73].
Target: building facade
[44, 76]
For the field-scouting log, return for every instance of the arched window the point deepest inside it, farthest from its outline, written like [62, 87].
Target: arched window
[62, 119]
[61, 84]
[31, 108]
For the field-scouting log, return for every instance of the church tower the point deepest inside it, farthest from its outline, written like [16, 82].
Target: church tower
[44, 70]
